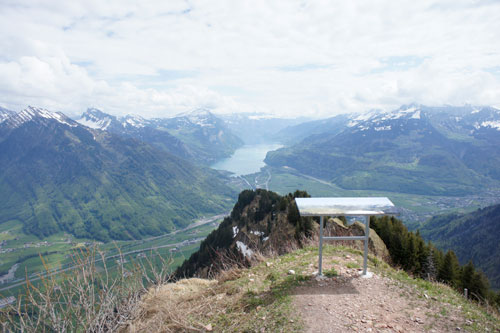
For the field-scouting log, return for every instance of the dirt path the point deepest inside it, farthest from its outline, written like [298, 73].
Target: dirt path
[350, 303]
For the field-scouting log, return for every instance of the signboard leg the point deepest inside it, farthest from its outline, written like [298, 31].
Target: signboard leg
[367, 237]
[320, 264]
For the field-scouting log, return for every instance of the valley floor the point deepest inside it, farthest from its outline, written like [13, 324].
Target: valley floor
[415, 209]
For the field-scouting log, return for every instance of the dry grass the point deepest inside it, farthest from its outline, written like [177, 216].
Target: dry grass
[239, 299]
[88, 298]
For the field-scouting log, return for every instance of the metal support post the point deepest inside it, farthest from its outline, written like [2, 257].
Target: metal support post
[367, 237]
[320, 264]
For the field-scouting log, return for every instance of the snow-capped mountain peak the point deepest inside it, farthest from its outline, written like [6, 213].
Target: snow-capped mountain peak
[134, 121]
[201, 117]
[483, 118]
[379, 120]
[96, 119]
[33, 113]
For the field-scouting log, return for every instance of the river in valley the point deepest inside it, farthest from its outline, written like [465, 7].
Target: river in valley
[247, 159]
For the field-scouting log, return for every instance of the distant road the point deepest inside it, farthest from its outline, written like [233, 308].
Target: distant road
[191, 226]
[268, 179]
[296, 172]
[246, 181]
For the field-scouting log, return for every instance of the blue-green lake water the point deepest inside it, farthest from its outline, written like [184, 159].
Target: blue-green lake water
[247, 159]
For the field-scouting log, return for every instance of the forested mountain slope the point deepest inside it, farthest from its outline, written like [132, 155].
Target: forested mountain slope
[473, 236]
[58, 175]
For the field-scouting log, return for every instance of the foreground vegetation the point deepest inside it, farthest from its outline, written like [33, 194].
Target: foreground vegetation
[260, 298]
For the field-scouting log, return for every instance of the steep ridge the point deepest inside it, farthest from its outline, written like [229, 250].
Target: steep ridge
[402, 151]
[58, 175]
[472, 236]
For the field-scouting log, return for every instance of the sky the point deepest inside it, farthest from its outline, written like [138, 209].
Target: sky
[285, 58]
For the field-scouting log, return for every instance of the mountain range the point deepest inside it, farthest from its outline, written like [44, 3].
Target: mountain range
[198, 136]
[414, 149]
[58, 175]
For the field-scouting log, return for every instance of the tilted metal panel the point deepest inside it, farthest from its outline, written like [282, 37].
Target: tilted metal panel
[345, 206]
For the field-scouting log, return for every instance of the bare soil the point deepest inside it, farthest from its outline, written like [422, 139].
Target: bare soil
[351, 303]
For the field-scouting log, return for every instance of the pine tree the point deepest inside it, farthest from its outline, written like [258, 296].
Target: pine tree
[411, 253]
[422, 255]
[467, 275]
[479, 286]
[449, 270]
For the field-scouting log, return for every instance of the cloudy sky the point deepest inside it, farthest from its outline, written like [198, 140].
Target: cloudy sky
[289, 58]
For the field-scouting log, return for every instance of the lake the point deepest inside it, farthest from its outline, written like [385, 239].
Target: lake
[247, 159]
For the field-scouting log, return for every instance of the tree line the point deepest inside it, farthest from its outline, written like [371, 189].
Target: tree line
[409, 251]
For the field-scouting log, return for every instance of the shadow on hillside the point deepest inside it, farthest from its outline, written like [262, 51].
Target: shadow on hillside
[335, 286]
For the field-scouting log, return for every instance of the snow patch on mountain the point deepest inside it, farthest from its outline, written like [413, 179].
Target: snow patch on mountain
[492, 124]
[96, 119]
[101, 124]
[416, 115]
[200, 117]
[134, 121]
[376, 117]
[245, 250]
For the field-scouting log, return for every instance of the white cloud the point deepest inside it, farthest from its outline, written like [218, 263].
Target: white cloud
[290, 58]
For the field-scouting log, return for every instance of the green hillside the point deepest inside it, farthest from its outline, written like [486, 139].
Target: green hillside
[93, 184]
